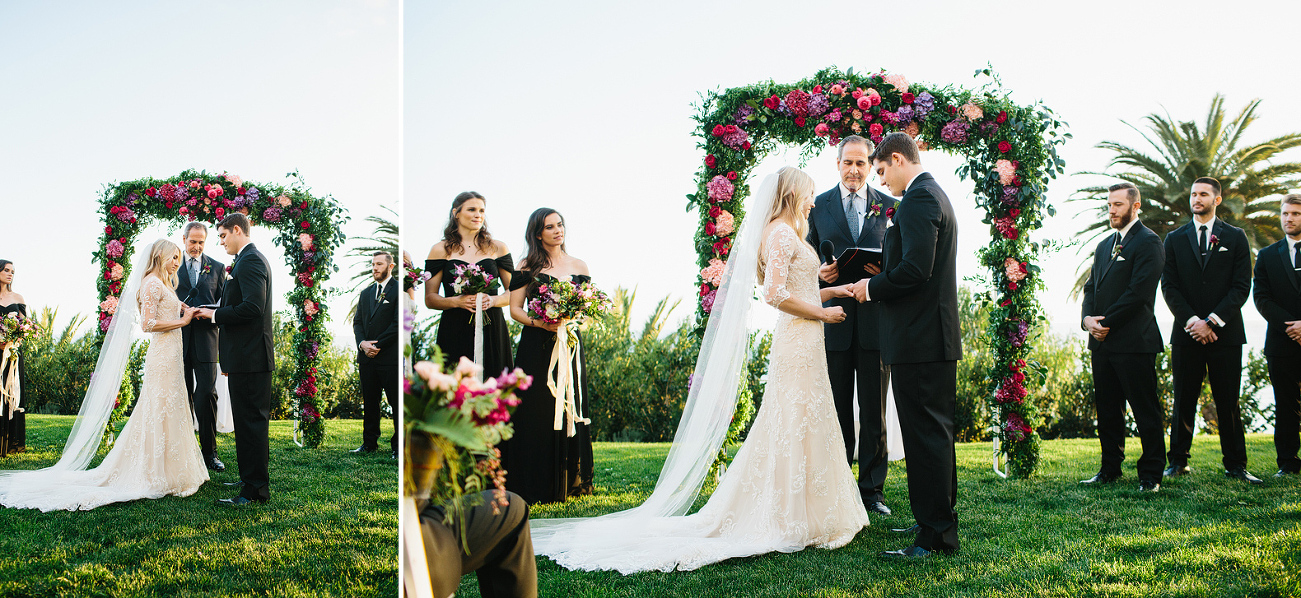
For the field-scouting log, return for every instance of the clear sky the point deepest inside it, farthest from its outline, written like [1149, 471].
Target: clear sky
[97, 92]
[586, 107]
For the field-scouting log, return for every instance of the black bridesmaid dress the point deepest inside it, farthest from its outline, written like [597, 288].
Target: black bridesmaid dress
[456, 327]
[13, 426]
[542, 464]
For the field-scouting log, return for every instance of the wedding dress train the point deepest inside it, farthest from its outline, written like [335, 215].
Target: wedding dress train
[155, 455]
[788, 487]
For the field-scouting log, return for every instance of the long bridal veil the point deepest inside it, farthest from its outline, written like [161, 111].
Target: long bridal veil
[708, 410]
[101, 394]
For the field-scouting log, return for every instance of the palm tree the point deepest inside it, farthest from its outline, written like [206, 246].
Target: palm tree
[1250, 181]
[384, 237]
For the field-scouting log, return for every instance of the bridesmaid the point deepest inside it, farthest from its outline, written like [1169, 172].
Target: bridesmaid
[543, 464]
[13, 425]
[466, 240]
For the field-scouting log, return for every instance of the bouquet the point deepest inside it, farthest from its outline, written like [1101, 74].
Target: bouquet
[471, 279]
[413, 276]
[561, 300]
[453, 422]
[15, 327]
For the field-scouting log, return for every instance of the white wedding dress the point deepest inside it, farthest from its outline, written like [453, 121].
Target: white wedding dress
[156, 454]
[788, 487]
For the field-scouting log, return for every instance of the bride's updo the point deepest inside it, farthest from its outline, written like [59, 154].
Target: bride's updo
[793, 187]
[159, 253]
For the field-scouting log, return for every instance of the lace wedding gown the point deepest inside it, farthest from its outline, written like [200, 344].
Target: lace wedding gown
[788, 487]
[156, 455]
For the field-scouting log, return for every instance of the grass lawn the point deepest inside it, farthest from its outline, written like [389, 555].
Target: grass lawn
[1202, 535]
[330, 529]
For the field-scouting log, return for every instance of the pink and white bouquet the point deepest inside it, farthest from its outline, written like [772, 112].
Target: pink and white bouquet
[472, 278]
[15, 327]
[561, 300]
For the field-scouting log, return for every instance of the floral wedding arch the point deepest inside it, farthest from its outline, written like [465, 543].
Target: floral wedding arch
[1011, 154]
[307, 228]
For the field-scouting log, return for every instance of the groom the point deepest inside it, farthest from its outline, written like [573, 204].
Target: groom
[200, 282]
[853, 215]
[247, 356]
[918, 295]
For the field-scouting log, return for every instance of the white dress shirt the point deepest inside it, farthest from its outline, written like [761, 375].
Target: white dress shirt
[232, 262]
[1197, 236]
[1291, 251]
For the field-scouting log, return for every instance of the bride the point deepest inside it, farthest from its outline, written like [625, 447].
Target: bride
[789, 486]
[156, 454]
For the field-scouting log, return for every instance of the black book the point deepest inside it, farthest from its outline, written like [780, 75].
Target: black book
[852, 262]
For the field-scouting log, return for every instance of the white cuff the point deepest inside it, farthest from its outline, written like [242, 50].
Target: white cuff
[1190, 322]
[867, 291]
[1215, 320]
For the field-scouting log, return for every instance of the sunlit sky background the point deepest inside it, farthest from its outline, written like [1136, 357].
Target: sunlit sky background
[98, 92]
[586, 107]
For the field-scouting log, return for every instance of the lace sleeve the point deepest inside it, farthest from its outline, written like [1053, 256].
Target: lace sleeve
[149, 298]
[779, 248]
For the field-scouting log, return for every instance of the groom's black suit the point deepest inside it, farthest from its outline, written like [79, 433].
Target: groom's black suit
[200, 340]
[854, 344]
[1278, 298]
[248, 357]
[1122, 289]
[377, 320]
[920, 340]
[1198, 284]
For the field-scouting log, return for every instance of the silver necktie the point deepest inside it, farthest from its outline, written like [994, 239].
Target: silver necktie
[851, 214]
[194, 272]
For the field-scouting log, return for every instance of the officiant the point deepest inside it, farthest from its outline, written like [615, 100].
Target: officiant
[853, 215]
[200, 281]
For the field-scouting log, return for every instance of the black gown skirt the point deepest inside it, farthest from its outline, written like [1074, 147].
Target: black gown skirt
[13, 426]
[456, 327]
[542, 464]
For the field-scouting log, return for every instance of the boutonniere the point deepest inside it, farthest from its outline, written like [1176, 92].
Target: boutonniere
[229, 268]
[889, 212]
[1116, 249]
[1215, 241]
[207, 269]
[874, 210]
[382, 295]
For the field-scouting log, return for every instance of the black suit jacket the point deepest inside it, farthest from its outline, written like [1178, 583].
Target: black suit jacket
[827, 222]
[1123, 291]
[245, 316]
[378, 321]
[200, 336]
[918, 287]
[1220, 285]
[1278, 298]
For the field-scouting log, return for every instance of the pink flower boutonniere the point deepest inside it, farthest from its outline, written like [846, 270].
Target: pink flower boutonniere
[1215, 241]
[889, 212]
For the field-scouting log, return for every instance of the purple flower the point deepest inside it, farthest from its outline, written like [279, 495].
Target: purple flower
[707, 300]
[253, 194]
[955, 131]
[784, 110]
[1017, 333]
[131, 198]
[736, 139]
[1010, 197]
[125, 214]
[719, 188]
[923, 104]
[818, 105]
[271, 214]
[904, 115]
[834, 116]
[741, 113]
[309, 257]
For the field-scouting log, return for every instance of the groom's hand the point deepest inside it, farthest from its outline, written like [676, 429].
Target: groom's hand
[203, 312]
[829, 273]
[860, 290]
[1094, 325]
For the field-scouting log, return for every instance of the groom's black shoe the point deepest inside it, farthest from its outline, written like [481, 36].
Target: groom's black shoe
[907, 530]
[1176, 470]
[215, 464]
[238, 501]
[235, 484]
[1101, 478]
[363, 449]
[911, 552]
[1282, 473]
[1244, 475]
[1146, 486]
[878, 507]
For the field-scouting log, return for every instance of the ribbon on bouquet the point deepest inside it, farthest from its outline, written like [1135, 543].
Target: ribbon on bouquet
[478, 334]
[563, 381]
[415, 576]
[10, 389]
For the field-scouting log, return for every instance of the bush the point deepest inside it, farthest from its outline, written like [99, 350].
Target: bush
[338, 385]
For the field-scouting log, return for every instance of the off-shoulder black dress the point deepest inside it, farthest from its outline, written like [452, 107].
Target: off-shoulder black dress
[13, 426]
[456, 327]
[543, 464]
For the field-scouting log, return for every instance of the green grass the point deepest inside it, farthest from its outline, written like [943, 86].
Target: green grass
[330, 529]
[1202, 535]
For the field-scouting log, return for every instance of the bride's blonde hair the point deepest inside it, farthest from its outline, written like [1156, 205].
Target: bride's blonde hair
[161, 251]
[793, 187]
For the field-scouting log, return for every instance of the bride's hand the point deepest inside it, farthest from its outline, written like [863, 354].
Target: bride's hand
[188, 316]
[844, 290]
[833, 315]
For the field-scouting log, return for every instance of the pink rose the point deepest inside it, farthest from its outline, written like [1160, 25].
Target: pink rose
[821, 130]
[864, 102]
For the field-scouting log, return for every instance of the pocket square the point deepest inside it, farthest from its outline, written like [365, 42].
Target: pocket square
[1120, 258]
[1224, 249]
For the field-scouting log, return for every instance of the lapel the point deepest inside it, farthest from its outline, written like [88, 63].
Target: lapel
[1107, 257]
[1195, 243]
[1285, 254]
[1217, 231]
[374, 304]
[837, 208]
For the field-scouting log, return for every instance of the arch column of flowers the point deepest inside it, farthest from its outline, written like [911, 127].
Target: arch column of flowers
[306, 227]
[1011, 155]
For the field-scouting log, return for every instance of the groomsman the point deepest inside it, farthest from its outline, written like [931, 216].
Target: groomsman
[375, 327]
[201, 281]
[853, 215]
[1207, 279]
[1119, 302]
[1278, 298]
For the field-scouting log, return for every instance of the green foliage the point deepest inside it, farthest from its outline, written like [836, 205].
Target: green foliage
[58, 365]
[337, 381]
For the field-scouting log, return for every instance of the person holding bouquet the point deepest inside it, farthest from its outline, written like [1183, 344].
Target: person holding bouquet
[471, 267]
[13, 425]
[550, 457]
